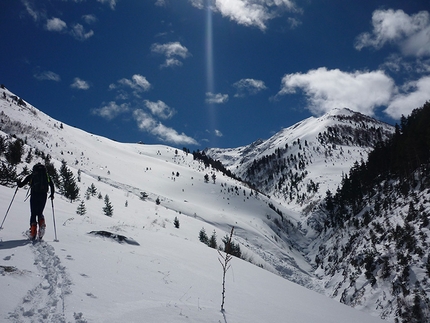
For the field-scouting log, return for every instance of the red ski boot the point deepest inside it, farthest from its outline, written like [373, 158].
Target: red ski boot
[42, 227]
[33, 232]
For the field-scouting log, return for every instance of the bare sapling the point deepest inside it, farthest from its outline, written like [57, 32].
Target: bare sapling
[224, 260]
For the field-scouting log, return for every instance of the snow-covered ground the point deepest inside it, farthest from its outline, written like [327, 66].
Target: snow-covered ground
[165, 274]
[169, 277]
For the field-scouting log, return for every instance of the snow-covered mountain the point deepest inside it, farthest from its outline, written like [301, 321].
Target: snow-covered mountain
[299, 164]
[373, 251]
[165, 274]
[368, 216]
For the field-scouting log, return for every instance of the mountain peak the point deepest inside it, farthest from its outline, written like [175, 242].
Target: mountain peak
[293, 165]
[342, 111]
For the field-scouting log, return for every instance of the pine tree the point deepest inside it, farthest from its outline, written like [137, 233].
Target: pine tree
[428, 265]
[14, 152]
[68, 187]
[81, 210]
[203, 237]
[52, 171]
[108, 208]
[93, 189]
[2, 145]
[176, 222]
[230, 247]
[29, 157]
[212, 241]
[7, 175]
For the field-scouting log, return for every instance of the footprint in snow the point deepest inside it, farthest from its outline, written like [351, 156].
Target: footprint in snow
[46, 301]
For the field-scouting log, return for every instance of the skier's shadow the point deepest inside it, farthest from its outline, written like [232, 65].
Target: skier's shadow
[11, 244]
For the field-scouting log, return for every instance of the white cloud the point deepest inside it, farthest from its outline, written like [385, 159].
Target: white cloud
[80, 84]
[79, 32]
[294, 22]
[47, 76]
[170, 62]
[171, 51]
[111, 3]
[111, 110]
[34, 13]
[218, 133]
[160, 109]
[160, 3]
[216, 98]
[397, 63]
[327, 89]
[138, 83]
[410, 32]
[197, 3]
[148, 124]
[89, 19]
[248, 86]
[417, 44]
[249, 12]
[55, 24]
[417, 93]
[244, 12]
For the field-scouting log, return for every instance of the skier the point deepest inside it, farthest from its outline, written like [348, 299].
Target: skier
[39, 181]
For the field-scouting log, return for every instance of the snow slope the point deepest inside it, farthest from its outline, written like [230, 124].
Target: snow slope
[167, 275]
[134, 168]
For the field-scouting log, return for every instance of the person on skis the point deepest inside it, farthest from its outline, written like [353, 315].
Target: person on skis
[40, 182]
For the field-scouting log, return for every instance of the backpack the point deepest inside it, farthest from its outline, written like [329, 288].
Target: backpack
[39, 179]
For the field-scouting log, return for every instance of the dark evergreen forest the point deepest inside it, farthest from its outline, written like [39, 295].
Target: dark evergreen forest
[405, 158]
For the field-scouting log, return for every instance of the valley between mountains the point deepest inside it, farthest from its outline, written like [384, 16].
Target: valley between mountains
[295, 256]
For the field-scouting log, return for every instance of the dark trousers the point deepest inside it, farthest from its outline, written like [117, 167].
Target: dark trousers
[37, 205]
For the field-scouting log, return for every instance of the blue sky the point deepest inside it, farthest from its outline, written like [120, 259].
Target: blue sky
[213, 73]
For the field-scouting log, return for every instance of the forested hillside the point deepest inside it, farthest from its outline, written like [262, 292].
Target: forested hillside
[373, 251]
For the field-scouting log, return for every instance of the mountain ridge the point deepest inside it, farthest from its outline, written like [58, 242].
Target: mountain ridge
[300, 163]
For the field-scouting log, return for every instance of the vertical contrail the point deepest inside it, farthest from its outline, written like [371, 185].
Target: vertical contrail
[210, 87]
[209, 49]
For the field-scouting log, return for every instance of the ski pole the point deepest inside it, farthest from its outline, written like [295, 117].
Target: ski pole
[1, 226]
[28, 193]
[53, 216]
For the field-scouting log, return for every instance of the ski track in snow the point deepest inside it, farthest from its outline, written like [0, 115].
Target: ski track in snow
[46, 301]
